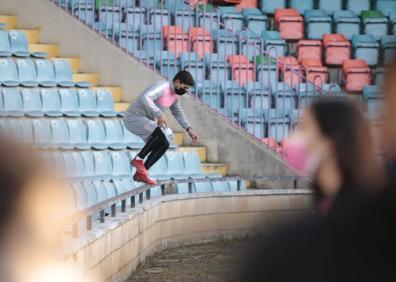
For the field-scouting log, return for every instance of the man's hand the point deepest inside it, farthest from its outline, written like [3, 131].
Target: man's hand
[162, 121]
[193, 135]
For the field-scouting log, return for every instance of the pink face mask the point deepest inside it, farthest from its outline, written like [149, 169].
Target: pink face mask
[298, 157]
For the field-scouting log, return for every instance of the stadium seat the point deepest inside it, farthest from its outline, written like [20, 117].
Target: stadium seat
[77, 134]
[80, 196]
[379, 75]
[208, 17]
[337, 49]
[96, 134]
[87, 102]
[234, 97]
[386, 6]
[266, 71]
[175, 163]
[358, 6]
[60, 134]
[121, 164]
[5, 48]
[12, 102]
[388, 47]
[374, 101]
[317, 23]
[302, 5]
[392, 21]
[307, 93]
[114, 134]
[365, 47]
[41, 132]
[330, 6]
[278, 125]
[51, 102]
[92, 197]
[151, 40]
[78, 160]
[167, 63]
[347, 23]
[159, 169]
[69, 102]
[209, 91]
[119, 186]
[357, 74]
[254, 20]
[85, 12]
[109, 19]
[253, 121]
[191, 62]
[274, 45]
[105, 103]
[284, 97]
[226, 42]
[231, 18]
[269, 6]
[158, 18]
[135, 17]
[131, 140]
[217, 68]
[259, 97]
[201, 41]
[192, 164]
[100, 190]
[27, 74]
[315, 72]
[89, 164]
[309, 49]
[8, 73]
[129, 38]
[110, 189]
[45, 73]
[184, 18]
[63, 73]
[289, 23]
[250, 44]
[220, 186]
[19, 45]
[290, 70]
[374, 23]
[332, 88]
[32, 105]
[103, 165]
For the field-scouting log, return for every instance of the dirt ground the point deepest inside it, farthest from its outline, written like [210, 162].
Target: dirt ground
[215, 261]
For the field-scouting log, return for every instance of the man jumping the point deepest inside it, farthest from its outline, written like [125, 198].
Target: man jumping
[148, 107]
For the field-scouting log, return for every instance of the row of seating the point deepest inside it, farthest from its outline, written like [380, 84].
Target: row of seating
[14, 43]
[55, 102]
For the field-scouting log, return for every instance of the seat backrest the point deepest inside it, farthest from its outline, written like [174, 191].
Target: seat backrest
[26, 70]
[45, 70]
[113, 130]
[121, 163]
[70, 166]
[79, 164]
[12, 100]
[119, 186]
[69, 100]
[8, 70]
[96, 132]
[18, 41]
[89, 163]
[51, 100]
[86, 100]
[175, 163]
[26, 130]
[104, 100]
[41, 131]
[110, 189]
[80, 196]
[103, 165]
[77, 131]
[63, 71]
[192, 162]
[159, 168]
[330, 6]
[60, 131]
[4, 41]
[92, 197]
[100, 190]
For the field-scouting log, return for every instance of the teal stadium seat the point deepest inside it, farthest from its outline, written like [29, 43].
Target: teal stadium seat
[60, 134]
[27, 74]
[105, 103]
[254, 20]
[358, 6]
[367, 48]
[269, 6]
[5, 48]
[302, 5]
[12, 102]
[347, 23]
[317, 23]
[103, 165]
[87, 102]
[78, 134]
[51, 102]
[114, 134]
[8, 73]
[96, 134]
[69, 102]
[45, 73]
[121, 164]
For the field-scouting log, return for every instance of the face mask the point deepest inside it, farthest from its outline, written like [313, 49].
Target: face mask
[180, 91]
[298, 156]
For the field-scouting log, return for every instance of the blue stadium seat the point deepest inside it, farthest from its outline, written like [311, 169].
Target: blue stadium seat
[131, 140]
[379, 75]
[170, 64]
[69, 102]
[388, 46]
[63, 73]
[105, 103]
[135, 17]
[317, 23]
[302, 5]
[78, 134]
[85, 12]
[119, 186]
[41, 132]
[209, 92]
[5, 48]
[386, 6]
[96, 134]
[274, 44]
[217, 68]
[192, 164]
[191, 62]
[129, 184]
[375, 24]
[234, 96]
[87, 102]
[279, 125]
[202, 187]
[27, 74]
[129, 38]
[78, 160]
[254, 122]
[392, 21]
[307, 93]
[8, 73]
[32, 105]
[114, 134]
[109, 19]
[26, 131]
[226, 42]
[158, 18]
[285, 99]
[60, 134]
[184, 18]
[51, 102]
[367, 48]
[266, 71]
[151, 40]
[45, 73]
[231, 18]
[121, 164]
[220, 186]
[269, 6]
[234, 186]
[92, 197]
[374, 99]
[159, 169]
[89, 164]
[358, 6]
[100, 190]
[12, 102]
[250, 43]
[175, 163]
[103, 165]
[209, 20]
[110, 189]
[347, 23]
[332, 88]
[259, 97]
[20, 46]
[254, 20]
[80, 196]
[330, 6]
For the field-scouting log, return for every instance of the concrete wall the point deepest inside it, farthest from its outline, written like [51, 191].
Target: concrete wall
[245, 155]
[114, 249]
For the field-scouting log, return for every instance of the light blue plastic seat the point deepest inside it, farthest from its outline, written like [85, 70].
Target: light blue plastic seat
[367, 48]
[307, 93]
[129, 184]
[45, 73]
[331, 88]
[202, 187]
[170, 64]
[51, 102]
[110, 189]
[375, 25]
[12, 102]
[80, 196]
[63, 73]
[119, 186]
[233, 186]
[114, 134]
[19, 44]
[78, 137]
[278, 124]
[129, 38]
[250, 44]
[266, 72]
[60, 134]
[175, 163]
[388, 46]
[87, 102]
[96, 134]
[254, 20]
[121, 164]
[259, 97]
[231, 18]
[302, 5]
[285, 99]
[151, 40]
[78, 160]
[190, 61]
[109, 18]
[386, 6]
[358, 6]
[69, 102]
[103, 165]
[89, 164]
[347, 23]
[158, 18]
[192, 164]
[392, 21]
[317, 23]
[100, 190]
[330, 6]
[220, 186]
[375, 102]
[217, 68]
[254, 122]
[209, 20]
[226, 42]
[92, 197]
[159, 169]
[131, 140]
[234, 96]
[5, 48]
[274, 45]
[42, 132]
[209, 92]
[184, 18]
[85, 12]
[135, 17]
[8, 73]
[27, 74]
[25, 126]
[379, 75]
[269, 6]
[105, 103]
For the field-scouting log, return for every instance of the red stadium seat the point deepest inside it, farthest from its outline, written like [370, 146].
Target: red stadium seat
[289, 23]
[309, 49]
[314, 71]
[290, 70]
[171, 29]
[175, 40]
[201, 41]
[242, 70]
[337, 49]
[357, 74]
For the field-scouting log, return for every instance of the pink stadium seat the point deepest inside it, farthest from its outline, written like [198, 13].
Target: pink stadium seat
[175, 40]
[337, 49]
[242, 70]
[289, 23]
[290, 70]
[309, 49]
[201, 41]
[357, 74]
[315, 72]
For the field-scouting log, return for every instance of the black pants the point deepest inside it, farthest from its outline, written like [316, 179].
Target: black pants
[156, 146]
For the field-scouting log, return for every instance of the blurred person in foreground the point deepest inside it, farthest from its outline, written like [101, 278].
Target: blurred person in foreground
[354, 241]
[32, 202]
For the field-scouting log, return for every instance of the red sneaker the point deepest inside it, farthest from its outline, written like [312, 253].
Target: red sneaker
[143, 177]
[139, 165]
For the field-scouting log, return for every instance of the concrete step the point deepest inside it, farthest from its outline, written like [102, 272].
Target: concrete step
[9, 20]
[91, 77]
[121, 107]
[219, 168]
[32, 35]
[179, 138]
[51, 49]
[202, 151]
[74, 63]
[116, 92]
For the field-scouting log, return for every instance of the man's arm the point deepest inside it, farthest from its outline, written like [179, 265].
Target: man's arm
[179, 115]
[152, 94]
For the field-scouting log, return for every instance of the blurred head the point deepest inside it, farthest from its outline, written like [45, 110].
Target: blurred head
[182, 81]
[389, 125]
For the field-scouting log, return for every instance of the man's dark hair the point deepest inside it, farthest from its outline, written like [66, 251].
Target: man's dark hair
[184, 77]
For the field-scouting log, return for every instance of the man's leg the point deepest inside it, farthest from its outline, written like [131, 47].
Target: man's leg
[158, 152]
